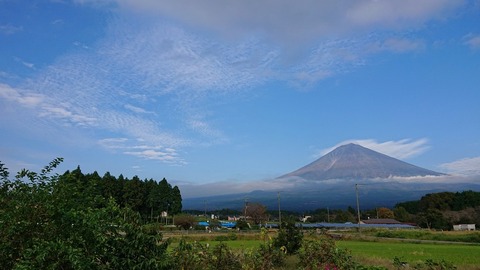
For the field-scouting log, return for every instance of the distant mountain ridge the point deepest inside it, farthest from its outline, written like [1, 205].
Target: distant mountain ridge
[331, 182]
[352, 161]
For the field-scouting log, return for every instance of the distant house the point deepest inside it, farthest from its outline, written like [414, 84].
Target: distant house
[464, 227]
[380, 221]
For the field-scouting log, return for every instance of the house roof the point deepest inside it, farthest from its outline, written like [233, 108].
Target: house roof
[381, 221]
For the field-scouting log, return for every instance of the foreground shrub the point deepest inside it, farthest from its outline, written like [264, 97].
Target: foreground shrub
[265, 257]
[289, 237]
[47, 224]
[323, 254]
[195, 255]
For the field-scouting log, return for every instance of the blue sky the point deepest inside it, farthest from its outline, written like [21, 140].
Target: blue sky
[203, 92]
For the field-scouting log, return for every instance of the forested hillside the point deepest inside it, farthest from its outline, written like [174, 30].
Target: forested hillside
[443, 210]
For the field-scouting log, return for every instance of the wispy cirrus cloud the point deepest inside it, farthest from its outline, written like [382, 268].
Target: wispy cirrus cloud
[20, 97]
[402, 45]
[142, 150]
[472, 41]
[9, 29]
[402, 149]
[136, 109]
[466, 166]
[180, 62]
[167, 156]
[25, 63]
[62, 112]
[44, 106]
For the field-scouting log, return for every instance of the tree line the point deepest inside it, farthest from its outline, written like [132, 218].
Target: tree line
[433, 211]
[148, 197]
[442, 210]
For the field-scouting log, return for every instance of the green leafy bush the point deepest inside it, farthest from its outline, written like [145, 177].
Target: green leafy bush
[323, 254]
[221, 238]
[289, 237]
[194, 255]
[232, 236]
[265, 257]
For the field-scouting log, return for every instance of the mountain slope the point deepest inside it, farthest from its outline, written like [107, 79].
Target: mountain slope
[353, 161]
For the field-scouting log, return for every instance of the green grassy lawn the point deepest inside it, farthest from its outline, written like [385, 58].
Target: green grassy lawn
[470, 237]
[411, 252]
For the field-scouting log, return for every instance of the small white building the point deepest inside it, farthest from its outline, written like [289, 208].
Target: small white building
[464, 227]
[305, 218]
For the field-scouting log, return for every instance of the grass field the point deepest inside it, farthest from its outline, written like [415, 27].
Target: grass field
[452, 236]
[381, 253]
[463, 256]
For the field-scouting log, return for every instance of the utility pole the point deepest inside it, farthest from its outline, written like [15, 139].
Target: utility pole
[358, 207]
[205, 202]
[279, 212]
[166, 214]
[245, 209]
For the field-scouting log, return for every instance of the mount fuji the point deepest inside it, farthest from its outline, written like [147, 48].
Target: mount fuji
[352, 161]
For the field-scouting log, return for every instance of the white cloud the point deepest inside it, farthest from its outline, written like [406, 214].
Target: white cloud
[164, 156]
[296, 21]
[402, 149]
[9, 29]
[401, 45]
[200, 125]
[190, 190]
[473, 41]
[137, 148]
[21, 97]
[169, 60]
[466, 166]
[26, 64]
[61, 112]
[43, 106]
[57, 22]
[136, 109]
[398, 13]
[113, 143]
